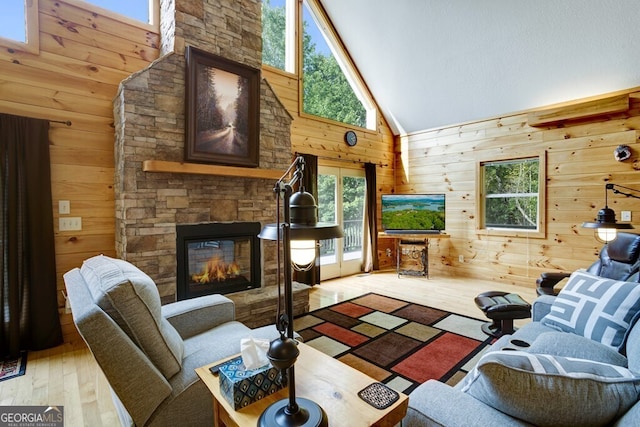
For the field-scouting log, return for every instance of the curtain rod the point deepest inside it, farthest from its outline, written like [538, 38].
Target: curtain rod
[64, 122]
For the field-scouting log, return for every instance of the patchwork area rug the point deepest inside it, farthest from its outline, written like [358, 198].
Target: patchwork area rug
[12, 368]
[396, 342]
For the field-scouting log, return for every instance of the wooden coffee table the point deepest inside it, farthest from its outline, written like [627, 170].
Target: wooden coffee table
[328, 382]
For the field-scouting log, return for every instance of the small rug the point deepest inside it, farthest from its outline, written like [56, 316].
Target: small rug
[399, 343]
[11, 368]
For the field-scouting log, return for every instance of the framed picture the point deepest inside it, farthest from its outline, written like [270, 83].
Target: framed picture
[222, 110]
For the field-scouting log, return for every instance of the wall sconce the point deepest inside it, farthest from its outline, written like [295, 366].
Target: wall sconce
[605, 225]
[300, 224]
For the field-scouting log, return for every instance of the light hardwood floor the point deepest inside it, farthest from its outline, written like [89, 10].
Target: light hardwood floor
[68, 375]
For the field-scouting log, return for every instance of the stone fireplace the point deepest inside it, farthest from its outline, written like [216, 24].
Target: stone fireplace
[149, 111]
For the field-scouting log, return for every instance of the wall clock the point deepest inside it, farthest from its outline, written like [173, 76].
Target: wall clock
[350, 138]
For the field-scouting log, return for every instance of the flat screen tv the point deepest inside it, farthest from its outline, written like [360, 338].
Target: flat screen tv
[407, 213]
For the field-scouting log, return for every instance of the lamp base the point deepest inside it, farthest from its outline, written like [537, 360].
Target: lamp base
[309, 414]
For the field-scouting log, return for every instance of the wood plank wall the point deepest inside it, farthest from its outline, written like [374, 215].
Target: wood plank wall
[84, 53]
[579, 153]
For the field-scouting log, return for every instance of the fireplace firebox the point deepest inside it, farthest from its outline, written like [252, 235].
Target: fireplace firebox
[217, 258]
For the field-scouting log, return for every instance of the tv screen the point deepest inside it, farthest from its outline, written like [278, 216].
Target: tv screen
[413, 212]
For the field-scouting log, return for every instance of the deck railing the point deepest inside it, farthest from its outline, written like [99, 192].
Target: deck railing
[352, 241]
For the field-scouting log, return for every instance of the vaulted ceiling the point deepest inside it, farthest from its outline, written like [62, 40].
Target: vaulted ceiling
[431, 63]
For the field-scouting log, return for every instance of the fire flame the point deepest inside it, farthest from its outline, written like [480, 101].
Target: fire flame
[216, 270]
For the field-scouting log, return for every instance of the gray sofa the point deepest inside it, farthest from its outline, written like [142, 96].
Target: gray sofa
[149, 352]
[576, 364]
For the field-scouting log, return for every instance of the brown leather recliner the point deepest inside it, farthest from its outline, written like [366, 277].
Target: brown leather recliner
[618, 260]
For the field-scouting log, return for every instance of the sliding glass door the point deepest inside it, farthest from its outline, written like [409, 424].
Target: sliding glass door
[341, 199]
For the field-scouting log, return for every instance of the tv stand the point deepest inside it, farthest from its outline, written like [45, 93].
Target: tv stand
[421, 240]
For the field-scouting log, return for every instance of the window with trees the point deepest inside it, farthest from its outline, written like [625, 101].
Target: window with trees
[341, 200]
[330, 88]
[278, 34]
[511, 195]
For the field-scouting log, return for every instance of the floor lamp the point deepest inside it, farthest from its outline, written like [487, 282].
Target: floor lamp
[300, 224]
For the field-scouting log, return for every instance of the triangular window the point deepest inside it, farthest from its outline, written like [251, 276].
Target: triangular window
[330, 88]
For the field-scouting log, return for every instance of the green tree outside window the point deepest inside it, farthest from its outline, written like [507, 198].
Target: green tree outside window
[326, 91]
[511, 193]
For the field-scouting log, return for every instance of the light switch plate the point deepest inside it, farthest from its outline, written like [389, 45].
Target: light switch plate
[64, 207]
[625, 216]
[70, 223]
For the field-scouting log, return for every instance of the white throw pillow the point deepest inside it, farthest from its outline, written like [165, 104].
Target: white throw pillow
[595, 307]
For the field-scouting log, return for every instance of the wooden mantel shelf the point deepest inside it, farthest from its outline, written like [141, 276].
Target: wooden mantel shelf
[196, 168]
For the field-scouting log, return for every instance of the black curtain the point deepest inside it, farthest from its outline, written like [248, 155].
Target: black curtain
[372, 210]
[28, 283]
[310, 181]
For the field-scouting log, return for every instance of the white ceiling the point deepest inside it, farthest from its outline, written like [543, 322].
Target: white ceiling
[430, 63]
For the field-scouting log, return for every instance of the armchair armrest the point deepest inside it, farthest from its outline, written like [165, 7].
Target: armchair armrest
[548, 280]
[541, 306]
[437, 404]
[196, 315]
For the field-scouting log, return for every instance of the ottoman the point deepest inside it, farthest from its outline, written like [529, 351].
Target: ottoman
[502, 308]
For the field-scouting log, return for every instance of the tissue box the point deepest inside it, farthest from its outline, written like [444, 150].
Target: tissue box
[241, 386]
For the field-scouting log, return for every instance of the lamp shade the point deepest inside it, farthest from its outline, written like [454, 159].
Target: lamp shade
[606, 227]
[303, 252]
[304, 221]
[607, 219]
[319, 231]
[606, 235]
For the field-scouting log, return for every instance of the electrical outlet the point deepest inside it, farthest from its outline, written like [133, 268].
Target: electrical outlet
[71, 223]
[461, 258]
[625, 216]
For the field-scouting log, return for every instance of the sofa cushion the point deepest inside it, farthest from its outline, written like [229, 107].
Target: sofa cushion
[571, 345]
[131, 299]
[550, 390]
[596, 308]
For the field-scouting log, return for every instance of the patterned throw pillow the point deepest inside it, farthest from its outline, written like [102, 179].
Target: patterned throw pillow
[595, 307]
[547, 390]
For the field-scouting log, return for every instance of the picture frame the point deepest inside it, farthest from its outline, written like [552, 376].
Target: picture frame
[222, 110]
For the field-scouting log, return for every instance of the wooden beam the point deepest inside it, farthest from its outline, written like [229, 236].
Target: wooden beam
[583, 110]
[196, 168]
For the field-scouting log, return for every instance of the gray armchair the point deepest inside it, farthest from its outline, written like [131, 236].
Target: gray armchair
[149, 352]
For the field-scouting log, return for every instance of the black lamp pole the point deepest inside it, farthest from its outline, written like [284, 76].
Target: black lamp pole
[283, 351]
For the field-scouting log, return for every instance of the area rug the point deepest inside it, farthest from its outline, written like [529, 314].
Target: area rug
[11, 368]
[399, 343]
